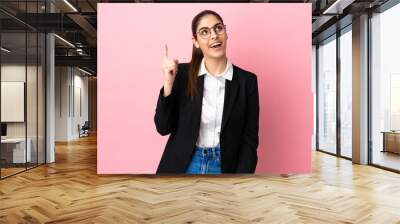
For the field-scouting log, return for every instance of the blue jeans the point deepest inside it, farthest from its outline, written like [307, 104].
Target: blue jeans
[205, 161]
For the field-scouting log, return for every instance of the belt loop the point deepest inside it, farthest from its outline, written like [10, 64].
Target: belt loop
[204, 151]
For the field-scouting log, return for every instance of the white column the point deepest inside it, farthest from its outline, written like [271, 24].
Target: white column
[50, 100]
[360, 90]
[50, 92]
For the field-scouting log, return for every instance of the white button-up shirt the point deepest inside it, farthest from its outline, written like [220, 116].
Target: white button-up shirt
[213, 105]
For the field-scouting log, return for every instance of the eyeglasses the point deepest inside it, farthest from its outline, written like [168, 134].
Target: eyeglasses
[205, 32]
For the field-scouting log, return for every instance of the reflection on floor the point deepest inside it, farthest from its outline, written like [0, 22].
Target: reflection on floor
[386, 159]
[12, 169]
[71, 191]
[346, 152]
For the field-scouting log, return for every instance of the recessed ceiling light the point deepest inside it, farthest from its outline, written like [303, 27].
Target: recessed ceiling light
[84, 71]
[338, 6]
[64, 40]
[70, 5]
[5, 50]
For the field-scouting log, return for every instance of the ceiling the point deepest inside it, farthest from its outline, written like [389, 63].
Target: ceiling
[76, 22]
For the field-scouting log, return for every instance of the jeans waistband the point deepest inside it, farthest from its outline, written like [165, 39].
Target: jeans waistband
[209, 150]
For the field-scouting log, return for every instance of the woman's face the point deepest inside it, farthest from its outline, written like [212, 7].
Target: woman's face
[212, 44]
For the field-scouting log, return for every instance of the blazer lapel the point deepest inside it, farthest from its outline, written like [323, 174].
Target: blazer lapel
[198, 102]
[231, 89]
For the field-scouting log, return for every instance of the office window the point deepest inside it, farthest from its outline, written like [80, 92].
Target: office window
[346, 92]
[314, 88]
[327, 95]
[385, 88]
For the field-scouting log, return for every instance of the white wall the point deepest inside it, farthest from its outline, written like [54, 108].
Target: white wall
[71, 93]
[12, 73]
[80, 84]
[62, 81]
[33, 127]
[15, 72]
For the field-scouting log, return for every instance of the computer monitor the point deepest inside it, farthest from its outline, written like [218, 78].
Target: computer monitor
[3, 129]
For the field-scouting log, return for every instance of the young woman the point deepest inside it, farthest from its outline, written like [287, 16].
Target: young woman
[209, 107]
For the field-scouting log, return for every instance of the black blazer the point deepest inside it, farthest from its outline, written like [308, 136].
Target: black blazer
[179, 116]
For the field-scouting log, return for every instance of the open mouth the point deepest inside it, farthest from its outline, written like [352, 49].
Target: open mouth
[216, 45]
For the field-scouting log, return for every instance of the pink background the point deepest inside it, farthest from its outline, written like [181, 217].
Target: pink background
[271, 40]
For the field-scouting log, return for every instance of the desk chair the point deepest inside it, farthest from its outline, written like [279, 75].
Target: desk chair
[84, 130]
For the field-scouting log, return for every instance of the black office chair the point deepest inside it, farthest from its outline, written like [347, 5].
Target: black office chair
[84, 130]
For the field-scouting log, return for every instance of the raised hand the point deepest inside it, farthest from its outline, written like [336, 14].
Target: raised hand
[170, 69]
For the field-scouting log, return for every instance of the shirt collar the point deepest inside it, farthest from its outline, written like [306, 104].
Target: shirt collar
[227, 73]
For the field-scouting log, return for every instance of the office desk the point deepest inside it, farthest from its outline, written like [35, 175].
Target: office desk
[391, 141]
[13, 150]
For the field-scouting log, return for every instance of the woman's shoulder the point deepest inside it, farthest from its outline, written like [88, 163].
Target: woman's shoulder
[182, 72]
[244, 74]
[183, 67]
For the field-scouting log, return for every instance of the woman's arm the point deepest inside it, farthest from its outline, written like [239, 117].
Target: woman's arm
[247, 160]
[166, 112]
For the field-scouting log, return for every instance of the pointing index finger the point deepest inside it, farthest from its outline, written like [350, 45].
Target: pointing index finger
[166, 52]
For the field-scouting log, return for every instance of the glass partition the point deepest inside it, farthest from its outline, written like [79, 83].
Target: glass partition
[22, 63]
[14, 153]
[327, 95]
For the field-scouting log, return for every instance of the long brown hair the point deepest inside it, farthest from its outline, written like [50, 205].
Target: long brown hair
[197, 54]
